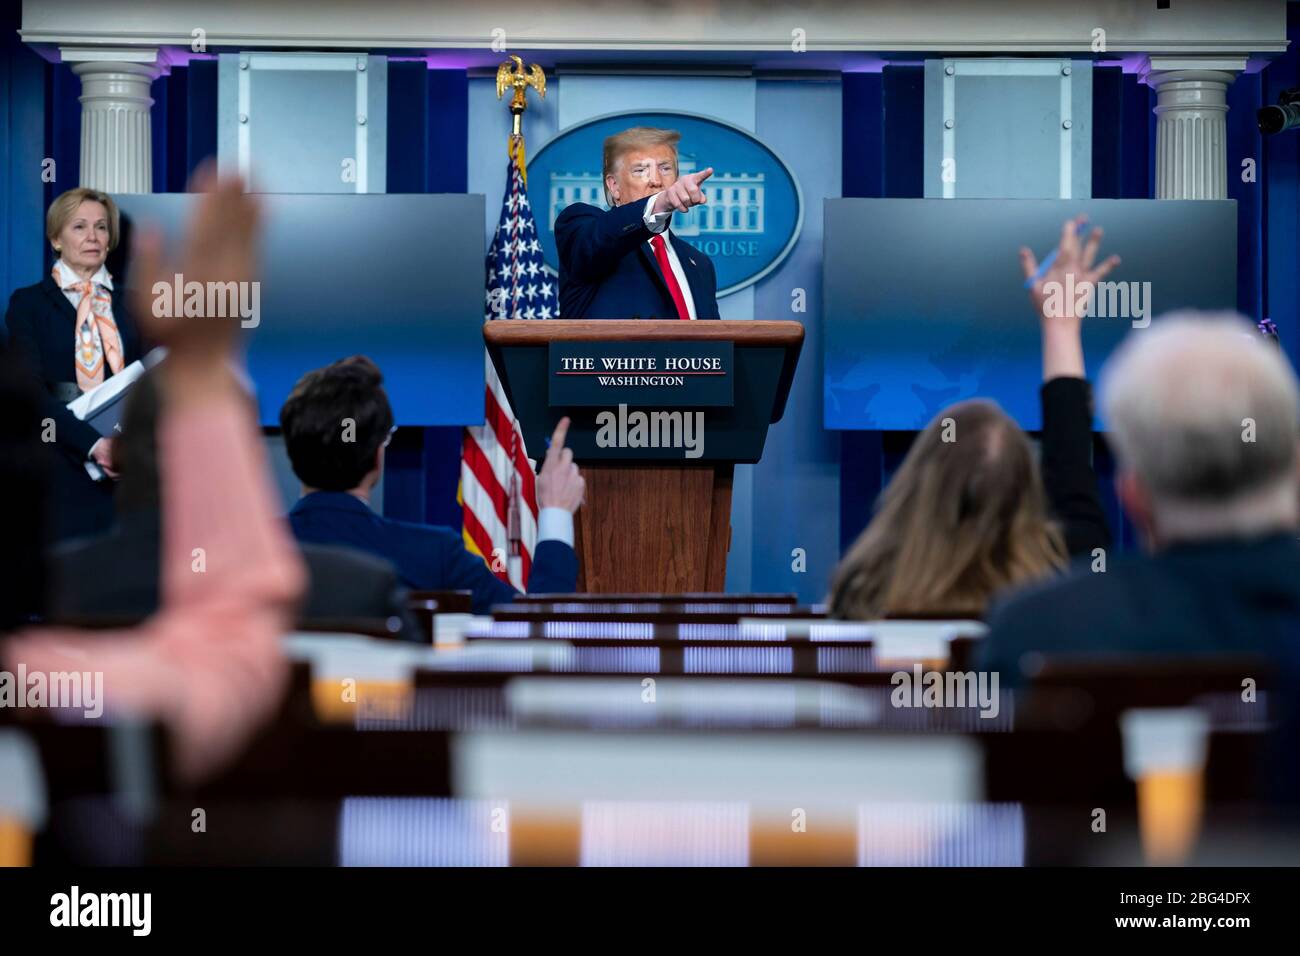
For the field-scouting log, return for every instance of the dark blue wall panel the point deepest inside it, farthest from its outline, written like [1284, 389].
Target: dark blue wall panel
[1245, 145]
[200, 129]
[22, 149]
[863, 139]
[408, 125]
[63, 128]
[1107, 143]
[447, 142]
[1281, 200]
[904, 137]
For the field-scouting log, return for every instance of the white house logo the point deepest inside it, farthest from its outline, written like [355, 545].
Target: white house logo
[747, 227]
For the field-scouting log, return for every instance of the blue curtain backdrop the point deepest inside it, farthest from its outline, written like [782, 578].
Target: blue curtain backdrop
[882, 156]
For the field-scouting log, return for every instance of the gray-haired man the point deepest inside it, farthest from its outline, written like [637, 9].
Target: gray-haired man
[1204, 421]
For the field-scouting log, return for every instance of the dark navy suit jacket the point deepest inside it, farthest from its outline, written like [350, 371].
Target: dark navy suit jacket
[1221, 597]
[42, 328]
[426, 557]
[608, 271]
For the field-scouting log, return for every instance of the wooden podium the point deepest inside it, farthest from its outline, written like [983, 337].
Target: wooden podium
[655, 520]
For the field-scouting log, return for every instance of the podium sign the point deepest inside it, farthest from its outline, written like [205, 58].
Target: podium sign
[642, 374]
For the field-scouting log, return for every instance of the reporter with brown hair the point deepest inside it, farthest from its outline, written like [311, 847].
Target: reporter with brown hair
[340, 471]
[970, 513]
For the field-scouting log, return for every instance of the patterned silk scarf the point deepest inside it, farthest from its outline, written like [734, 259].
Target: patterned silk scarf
[97, 338]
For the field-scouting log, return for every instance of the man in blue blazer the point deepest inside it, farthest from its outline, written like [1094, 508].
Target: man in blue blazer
[625, 262]
[336, 423]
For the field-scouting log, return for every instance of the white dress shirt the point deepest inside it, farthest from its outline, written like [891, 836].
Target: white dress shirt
[657, 223]
[555, 524]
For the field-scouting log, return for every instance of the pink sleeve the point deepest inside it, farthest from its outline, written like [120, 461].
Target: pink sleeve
[209, 663]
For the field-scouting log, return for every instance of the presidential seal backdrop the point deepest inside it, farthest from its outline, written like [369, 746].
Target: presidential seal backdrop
[755, 207]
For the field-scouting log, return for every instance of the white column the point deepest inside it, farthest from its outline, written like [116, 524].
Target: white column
[1192, 124]
[116, 130]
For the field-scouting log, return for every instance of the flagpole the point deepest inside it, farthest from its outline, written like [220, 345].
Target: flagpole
[498, 483]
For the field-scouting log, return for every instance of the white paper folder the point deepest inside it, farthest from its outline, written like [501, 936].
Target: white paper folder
[102, 406]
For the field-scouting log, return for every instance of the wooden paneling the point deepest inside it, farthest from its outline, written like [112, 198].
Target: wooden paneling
[654, 528]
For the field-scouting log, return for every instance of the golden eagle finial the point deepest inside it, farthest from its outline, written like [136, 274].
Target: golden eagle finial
[513, 75]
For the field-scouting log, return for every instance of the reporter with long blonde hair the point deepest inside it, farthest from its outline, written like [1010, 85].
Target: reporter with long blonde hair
[970, 512]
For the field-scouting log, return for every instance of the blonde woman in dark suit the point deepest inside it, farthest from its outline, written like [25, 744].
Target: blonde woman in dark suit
[72, 332]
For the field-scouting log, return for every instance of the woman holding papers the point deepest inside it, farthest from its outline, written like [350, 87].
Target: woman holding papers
[71, 330]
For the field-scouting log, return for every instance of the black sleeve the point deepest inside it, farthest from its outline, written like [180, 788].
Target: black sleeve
[1068, 474]
[71, 434]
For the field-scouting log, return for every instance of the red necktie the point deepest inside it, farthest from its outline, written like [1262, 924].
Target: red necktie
[666, 267]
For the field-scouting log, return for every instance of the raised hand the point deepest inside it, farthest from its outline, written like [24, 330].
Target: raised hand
[219, 246]
[560, 484]
[684, 193]
[1054, 295]
[1062, 295]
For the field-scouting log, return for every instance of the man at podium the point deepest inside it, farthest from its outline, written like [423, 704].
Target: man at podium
[625, 262]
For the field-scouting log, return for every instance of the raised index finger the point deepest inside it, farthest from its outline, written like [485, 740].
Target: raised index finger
[703, 174]
[557, 437]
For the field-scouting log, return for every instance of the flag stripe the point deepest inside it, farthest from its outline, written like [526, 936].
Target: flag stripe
[504, 426]
[490, 535]
[479, 533]
[477, 462]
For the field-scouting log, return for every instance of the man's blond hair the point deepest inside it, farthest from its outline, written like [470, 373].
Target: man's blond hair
[638, 137]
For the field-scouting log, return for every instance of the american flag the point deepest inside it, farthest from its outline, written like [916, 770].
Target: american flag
[498, 485]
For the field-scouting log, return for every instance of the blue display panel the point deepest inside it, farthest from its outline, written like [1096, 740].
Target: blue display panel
[925, 301]
[399, 278]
